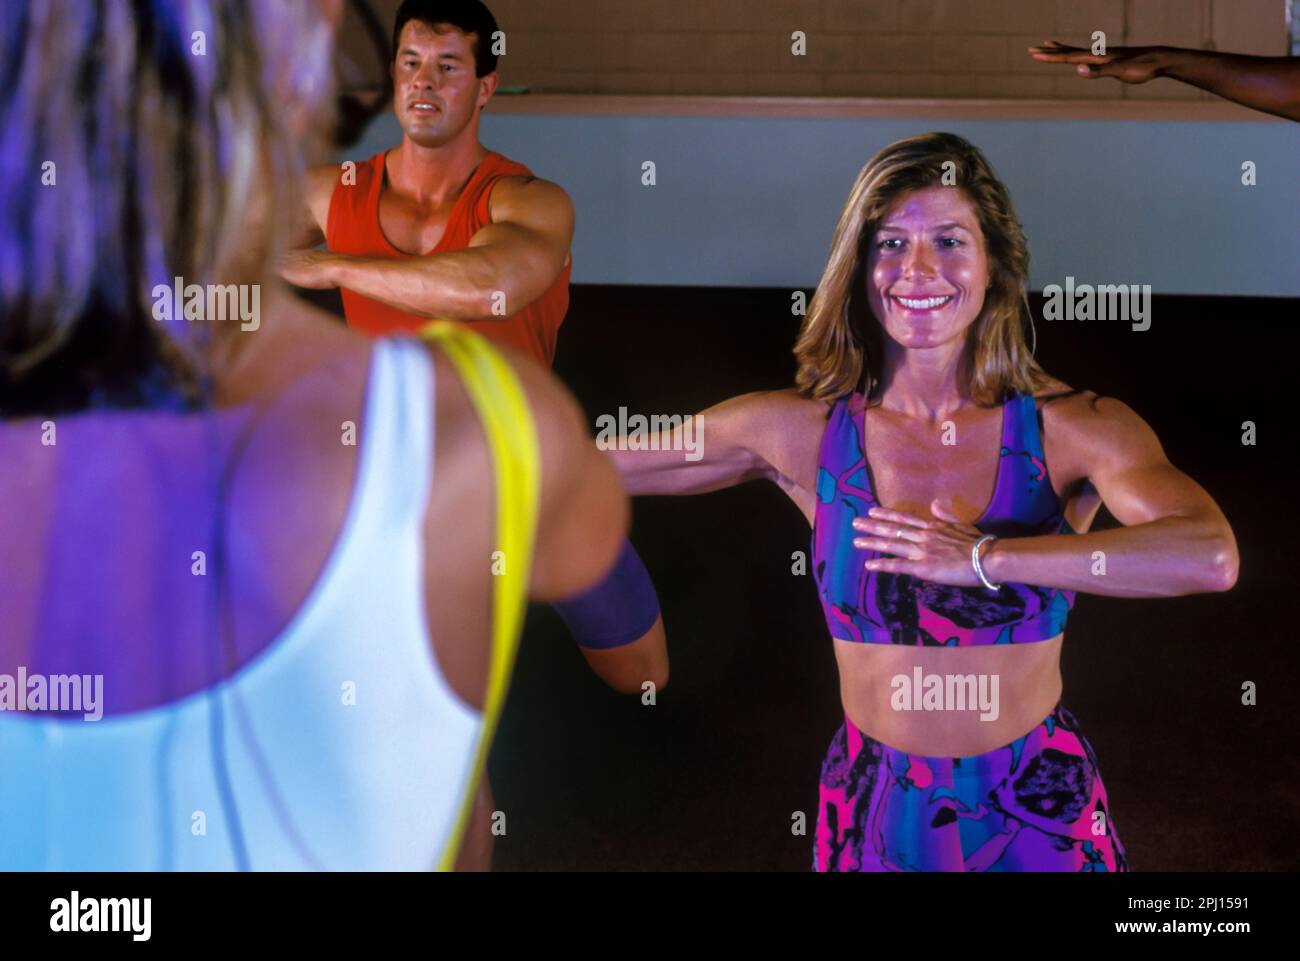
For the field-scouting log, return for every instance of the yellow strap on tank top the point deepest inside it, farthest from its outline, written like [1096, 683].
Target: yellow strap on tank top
[511, 434]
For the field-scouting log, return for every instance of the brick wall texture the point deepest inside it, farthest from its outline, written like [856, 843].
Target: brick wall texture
[855, 48]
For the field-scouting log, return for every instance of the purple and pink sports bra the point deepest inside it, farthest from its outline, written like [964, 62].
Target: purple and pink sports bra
[879, 607]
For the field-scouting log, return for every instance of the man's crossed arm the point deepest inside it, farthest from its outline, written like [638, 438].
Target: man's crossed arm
[508, 264]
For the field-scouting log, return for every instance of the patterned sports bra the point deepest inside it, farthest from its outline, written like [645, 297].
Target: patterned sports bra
[879, 607]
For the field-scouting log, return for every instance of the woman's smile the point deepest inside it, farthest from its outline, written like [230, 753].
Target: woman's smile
[923, 305]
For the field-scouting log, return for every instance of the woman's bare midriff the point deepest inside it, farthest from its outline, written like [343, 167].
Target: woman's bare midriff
[1028, 675]
[1028, 686]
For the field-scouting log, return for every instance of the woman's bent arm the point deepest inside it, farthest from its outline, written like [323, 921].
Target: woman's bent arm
[1175, 540]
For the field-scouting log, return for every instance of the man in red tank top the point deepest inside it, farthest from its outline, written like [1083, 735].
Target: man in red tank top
[440, 227]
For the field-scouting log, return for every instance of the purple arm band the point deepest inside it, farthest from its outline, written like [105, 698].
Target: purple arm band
[620, 609]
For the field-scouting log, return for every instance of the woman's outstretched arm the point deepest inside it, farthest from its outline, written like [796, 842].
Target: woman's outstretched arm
[722, 446]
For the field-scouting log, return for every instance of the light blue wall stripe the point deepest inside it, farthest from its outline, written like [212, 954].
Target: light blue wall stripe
[754, 201]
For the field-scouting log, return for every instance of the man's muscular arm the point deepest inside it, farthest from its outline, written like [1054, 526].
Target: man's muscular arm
[507, 265]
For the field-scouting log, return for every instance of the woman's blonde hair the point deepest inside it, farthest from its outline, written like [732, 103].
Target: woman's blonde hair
[143, 140]
[840, 345]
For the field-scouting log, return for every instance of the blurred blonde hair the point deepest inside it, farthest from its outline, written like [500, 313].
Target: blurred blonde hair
[840, 344]
[165, 124]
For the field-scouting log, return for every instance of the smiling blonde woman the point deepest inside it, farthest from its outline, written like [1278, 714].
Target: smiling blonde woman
[950, 552]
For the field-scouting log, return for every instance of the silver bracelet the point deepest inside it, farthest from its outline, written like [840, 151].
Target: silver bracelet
[975, 561]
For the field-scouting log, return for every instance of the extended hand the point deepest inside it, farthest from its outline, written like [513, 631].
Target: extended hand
[1129, 64]
[308, 268]
[937, 550]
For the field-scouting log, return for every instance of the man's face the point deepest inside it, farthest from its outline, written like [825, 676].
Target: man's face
[435, 92]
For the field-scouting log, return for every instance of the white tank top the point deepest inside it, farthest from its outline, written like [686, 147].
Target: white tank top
[344, 746]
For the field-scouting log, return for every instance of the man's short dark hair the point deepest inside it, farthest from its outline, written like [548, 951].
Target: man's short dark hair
[467, 16]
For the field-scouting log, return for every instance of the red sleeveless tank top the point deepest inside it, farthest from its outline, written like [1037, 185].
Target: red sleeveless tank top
[353, 228]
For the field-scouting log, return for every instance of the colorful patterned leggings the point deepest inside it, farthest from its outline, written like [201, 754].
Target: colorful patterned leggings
[1036, 804]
